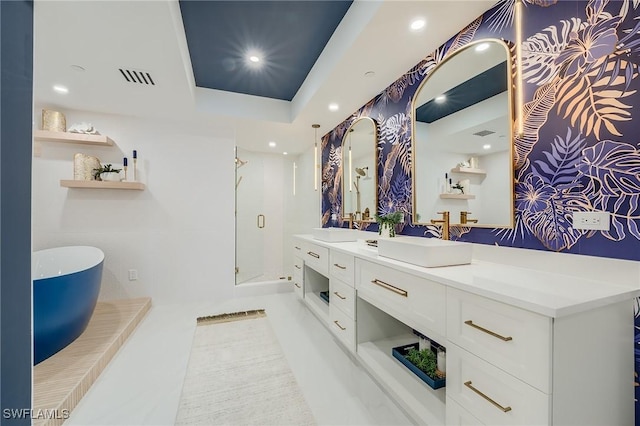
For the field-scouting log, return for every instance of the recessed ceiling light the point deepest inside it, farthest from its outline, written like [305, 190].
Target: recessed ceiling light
[417, 24]
[272, 144]
[60, 89]
[77, 68]
[486, 146]
[333, 107]
[482, 47]
[254, 58]
[440, 99]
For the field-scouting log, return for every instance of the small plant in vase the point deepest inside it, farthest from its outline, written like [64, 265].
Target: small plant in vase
[112, 174]
[389, 221]
[458, 187]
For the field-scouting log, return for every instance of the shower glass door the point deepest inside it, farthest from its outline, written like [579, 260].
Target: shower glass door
[250, 219]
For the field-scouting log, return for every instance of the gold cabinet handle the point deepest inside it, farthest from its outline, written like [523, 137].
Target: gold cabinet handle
[297, 285]
[339, 295]
[496, 335]
[500, 407]
[316, 255]
[296, 247]
[297, 266]
[339, 266]
[390, 287]
[260, 221]
[339, 326]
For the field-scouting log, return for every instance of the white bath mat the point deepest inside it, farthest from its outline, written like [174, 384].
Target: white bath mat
[238, 375]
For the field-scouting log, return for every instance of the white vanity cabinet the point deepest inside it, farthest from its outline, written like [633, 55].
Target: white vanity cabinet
[510, 366]
[524, 347]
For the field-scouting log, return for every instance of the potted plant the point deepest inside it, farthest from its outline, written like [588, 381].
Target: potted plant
[107, 173]
[423, 363]
[387, 223]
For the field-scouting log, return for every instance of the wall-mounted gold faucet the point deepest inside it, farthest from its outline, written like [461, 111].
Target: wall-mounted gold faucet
[464, 218]
[444, 222]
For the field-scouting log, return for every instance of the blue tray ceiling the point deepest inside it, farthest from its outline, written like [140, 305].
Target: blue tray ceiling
[290, 34]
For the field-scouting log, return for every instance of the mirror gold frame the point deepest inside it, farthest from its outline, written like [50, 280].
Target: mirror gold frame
[348, 168]
[511, 113]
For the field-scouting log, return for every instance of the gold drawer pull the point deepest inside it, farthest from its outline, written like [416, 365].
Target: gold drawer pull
[296, 247]
[297, 285]
[339, 266]
[297, 266]
[390, 287]
[505, 339]
[339, 326]
[504, 409]
[316, 255]
[339, 295]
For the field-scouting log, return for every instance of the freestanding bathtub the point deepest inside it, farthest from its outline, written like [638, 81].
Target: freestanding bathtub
[66, 284]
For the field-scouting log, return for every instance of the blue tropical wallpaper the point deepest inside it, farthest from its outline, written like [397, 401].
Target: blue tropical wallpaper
[579, 150]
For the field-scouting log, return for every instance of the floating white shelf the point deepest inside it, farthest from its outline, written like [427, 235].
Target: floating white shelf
[458, 196]
[96, 184]
[76, 138]
[469, 171]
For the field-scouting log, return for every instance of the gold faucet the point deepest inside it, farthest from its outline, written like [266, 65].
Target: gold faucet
[464, 218]
[444, 223]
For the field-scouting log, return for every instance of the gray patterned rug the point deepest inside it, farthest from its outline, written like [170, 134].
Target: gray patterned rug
[238, 375]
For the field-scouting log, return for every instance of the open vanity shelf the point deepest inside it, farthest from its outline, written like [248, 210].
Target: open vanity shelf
[96, 184]
[67, 137]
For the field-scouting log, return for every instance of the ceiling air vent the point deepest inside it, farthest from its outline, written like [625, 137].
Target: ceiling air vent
[136, 76]
[483, 133]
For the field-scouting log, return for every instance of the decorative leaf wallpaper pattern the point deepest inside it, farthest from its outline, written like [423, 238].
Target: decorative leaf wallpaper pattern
[580, 146]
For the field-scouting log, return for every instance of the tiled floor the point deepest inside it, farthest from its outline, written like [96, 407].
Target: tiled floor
[142, 385]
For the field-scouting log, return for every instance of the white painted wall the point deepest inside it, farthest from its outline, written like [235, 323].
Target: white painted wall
[178, 233]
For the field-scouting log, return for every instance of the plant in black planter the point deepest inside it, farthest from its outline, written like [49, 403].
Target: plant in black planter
[97, 173]
[425, 360]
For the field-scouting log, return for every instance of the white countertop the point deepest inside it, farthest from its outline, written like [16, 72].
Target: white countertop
[551, 294]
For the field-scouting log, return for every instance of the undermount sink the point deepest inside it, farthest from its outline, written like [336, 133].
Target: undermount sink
[334, 235]
[427, 252]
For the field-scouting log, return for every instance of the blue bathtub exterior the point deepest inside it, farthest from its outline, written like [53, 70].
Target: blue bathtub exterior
[62, 308]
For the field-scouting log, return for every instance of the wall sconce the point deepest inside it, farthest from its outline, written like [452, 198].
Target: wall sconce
[519, 89]
[315, 156]
[294, 177]
[350, 164]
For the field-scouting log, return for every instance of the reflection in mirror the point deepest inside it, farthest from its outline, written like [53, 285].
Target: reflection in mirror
[462, 139]
[359, 180]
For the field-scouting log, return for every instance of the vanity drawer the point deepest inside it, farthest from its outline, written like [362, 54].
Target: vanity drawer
[343, 297]
[316, 257]
[343, 327]
[297, 248]
[491, 395]
[418, 302]
[513, 339]
[341, 266]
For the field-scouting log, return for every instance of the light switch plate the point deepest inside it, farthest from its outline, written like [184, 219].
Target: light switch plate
[599, 221]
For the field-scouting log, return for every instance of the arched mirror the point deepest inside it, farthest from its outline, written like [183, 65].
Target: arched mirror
[359, 177]
[462, 139]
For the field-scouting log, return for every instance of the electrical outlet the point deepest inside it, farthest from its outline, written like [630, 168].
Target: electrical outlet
[133, 274]
[591, 220]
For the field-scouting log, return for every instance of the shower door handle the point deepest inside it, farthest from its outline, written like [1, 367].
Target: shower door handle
[261, 221]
